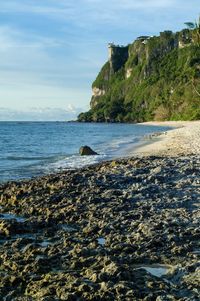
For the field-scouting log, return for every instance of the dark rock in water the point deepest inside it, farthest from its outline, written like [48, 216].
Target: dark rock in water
[86, 151]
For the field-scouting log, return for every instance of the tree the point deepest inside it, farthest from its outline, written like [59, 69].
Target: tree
[190, 25]
[195, 26]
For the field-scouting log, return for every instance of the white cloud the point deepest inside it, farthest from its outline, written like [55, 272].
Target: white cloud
[51, 50]
[82, 10]
[52, 7]
[11, 37]
[132, 4]
[30, 73]
[88, 13]
[39, 114]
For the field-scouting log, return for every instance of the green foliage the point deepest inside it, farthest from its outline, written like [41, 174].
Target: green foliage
[190, 25]
[103, 77]
[164, 83]
[195, 27]
[85, 117]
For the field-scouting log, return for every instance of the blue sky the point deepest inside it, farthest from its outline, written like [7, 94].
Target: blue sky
[52, 50]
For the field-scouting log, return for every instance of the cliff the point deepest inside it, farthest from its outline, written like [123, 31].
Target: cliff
[154, 78]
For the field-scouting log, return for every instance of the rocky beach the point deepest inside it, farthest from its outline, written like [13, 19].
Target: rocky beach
[125, 229]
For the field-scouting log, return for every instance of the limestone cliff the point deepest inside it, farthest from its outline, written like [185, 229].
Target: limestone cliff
[154, 78]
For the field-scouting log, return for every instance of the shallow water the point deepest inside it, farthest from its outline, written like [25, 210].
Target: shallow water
[45, 243]
[101, 241]
[68, 228]
[155, 270]
[196, 251]
[7, 216]
[29, 149]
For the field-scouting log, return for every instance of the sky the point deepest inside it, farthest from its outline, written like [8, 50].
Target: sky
[52, 50]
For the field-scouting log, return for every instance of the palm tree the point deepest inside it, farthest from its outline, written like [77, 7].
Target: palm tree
[190, 25]
[195, 27]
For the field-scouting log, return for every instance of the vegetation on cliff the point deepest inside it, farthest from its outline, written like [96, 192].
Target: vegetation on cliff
[159, 80]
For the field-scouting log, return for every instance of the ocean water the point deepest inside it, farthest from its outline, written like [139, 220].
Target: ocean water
[29, 149]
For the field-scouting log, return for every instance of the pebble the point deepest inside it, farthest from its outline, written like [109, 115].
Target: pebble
[79, 235]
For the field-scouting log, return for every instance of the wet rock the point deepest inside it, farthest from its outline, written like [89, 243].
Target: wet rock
[86, 151]
[104, 232]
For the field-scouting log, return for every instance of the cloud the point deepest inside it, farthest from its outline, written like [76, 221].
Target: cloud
[11, 37]
[94, 15]
[82, 11]
[52, 7]
[13, 6]
[40, 114]
[132, 4]
[52, 50]
[32, 70]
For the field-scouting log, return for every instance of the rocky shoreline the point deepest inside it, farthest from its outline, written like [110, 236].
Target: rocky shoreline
[126, 229]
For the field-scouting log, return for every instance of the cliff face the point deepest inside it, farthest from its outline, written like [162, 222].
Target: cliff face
[154, 78]
[118, 55]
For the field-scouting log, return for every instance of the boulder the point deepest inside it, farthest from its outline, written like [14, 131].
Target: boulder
[86, 151]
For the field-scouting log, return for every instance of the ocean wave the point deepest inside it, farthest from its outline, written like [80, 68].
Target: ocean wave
[73, 162]
[32, 149]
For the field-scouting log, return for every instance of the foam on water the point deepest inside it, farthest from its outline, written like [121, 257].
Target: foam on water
[74, 161]
[31, 149]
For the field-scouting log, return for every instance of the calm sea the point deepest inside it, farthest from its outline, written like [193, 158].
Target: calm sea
[29, 149]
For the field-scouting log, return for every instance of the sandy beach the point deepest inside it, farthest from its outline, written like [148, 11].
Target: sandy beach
[127, 229]
[184, 139]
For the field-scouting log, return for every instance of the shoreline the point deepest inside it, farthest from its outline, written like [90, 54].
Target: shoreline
[16, 168]
[125, 229]
[184, 139]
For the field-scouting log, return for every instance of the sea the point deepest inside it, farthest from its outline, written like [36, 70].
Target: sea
[31, 149]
